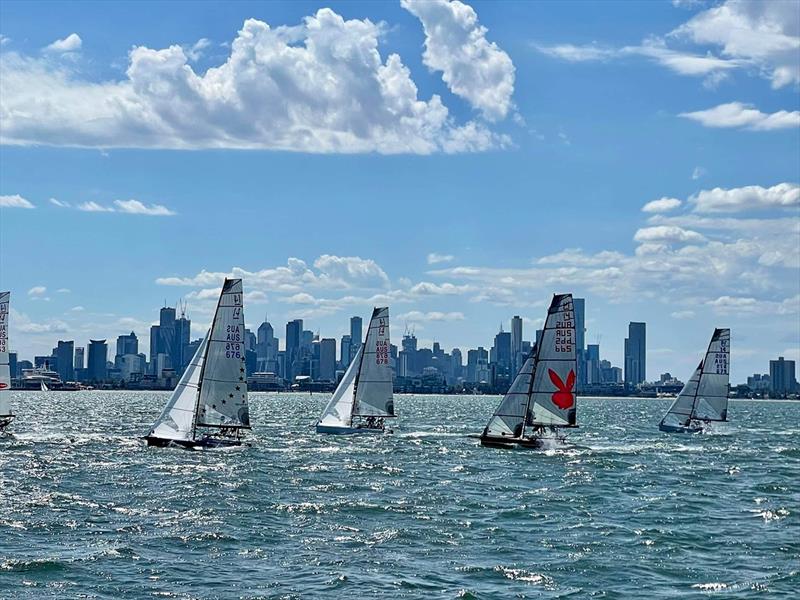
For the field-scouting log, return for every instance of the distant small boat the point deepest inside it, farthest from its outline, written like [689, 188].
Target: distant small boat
[209, 406]
[704, 398]
[542, 399]
[363, 399]
[5, 371]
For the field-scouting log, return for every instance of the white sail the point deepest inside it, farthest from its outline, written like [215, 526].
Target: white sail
[509, 418]
[705, 395]
[43, 386]
[5, 372]
[374, 380]
[177, 419]
[223, 383]
[338, 412]
[553, 396]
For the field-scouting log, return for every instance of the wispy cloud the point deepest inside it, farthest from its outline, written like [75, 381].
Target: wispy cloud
[416, 315]
[71, 43]
[38, 290]
[15, 201]
[436, 258]
[131, 207]
[745, 116]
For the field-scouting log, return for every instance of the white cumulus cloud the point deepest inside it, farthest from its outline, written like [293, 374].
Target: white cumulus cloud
[416, 315]
[38, 290]
[71, 43]
[472, 67]
[661, 205]
[667, 233]
[321, 86]
[435, 258]
[751, 197]
[736, 114]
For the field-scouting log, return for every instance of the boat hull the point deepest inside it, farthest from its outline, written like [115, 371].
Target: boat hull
[679, 429]
[192, 444]
[342, 430]
[5, 421]
[507, 443]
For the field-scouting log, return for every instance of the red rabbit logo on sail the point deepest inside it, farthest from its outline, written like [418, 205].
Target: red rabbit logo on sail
[563, 398]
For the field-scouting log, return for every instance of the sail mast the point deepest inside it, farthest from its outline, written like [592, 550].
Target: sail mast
[530, 389]
[358, 373]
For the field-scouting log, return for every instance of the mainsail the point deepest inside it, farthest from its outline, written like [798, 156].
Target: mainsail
[373, 395]
[222, 401]
[5, 371]
[366, 388]
[705, 395]
[543, 392]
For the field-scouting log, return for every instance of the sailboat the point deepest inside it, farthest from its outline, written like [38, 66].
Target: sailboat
[5, 371]
[542, 398]
[363, 399]
[43, 386]
[209, 405]
[704, 398]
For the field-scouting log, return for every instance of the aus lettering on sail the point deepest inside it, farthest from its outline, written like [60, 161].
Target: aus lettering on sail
[233, 345]
[382, 343]
[721, 358]
[565, 329]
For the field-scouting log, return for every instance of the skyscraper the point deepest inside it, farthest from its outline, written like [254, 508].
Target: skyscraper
[579, 307]
[327, 359]
[166, 343]
[155, 339]
[355, 331]
[294, 333]
[516, 343]
[65, 360]
[636, 354]
[127, 344]
[781, 376]
[96, 362]
[502, 349]
[181, 355]
[344, 351]
[79, 351]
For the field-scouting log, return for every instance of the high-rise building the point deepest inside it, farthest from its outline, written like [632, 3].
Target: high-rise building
[166, 343]
[636, 354]
[516, 343]
[344, 351]
[592, 363]
[127, 344]
[65, 360]
[457, 363]
[502, 349]
[355, 331]
[579, 310]
[327, 359]
[476, 358]
[155, 344]
[96, 361]
[294, 333]
[183, 336]
[782, 376]
[79, 353]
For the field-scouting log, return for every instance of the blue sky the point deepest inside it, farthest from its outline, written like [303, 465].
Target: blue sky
[460, 162]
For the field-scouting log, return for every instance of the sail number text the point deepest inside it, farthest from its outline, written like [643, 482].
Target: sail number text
[233, 346]
[565, 327]
[382, 346]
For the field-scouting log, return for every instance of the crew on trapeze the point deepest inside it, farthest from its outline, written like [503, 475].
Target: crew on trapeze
[374, 423]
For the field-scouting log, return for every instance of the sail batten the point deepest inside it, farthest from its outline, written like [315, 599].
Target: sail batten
[705, 396]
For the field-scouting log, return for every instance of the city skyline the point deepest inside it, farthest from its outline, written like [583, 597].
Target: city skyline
[641, 160]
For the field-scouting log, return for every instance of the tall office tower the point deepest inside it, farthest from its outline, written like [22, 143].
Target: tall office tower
[457, 363]
[155, 347]
[265, 341]
[539, 334]
[294, 333]
[782, 376]
[96, 361]
[516, 343]
[181, 356]
[127, 344]
[166, 327]
[502, 349]
[409, 345]
[593, 363]
[579, 309]
[476, 358]
[636, 354]
[355, 331]
[65, 360]
[327, 359]
[344, 351]
[249, 340]
[79, 351]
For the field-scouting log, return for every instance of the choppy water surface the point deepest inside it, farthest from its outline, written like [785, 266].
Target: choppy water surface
[86, 510]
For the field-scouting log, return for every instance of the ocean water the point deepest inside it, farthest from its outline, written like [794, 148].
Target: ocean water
[623, 511]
